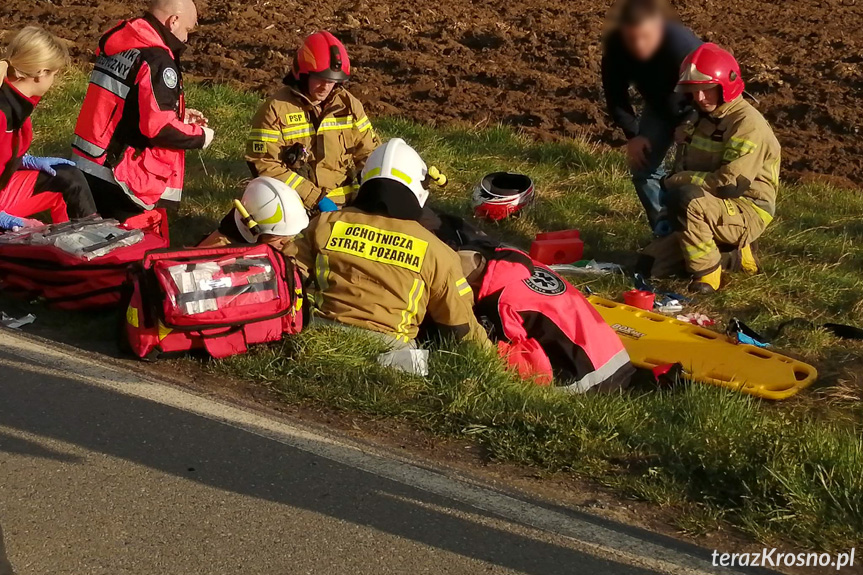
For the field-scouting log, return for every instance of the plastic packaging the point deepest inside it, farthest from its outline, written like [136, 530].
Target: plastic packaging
[211, 286]
[88, 238]
[415, 361]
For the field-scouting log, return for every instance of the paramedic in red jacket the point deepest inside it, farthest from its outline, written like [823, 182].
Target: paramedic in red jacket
[543, 325]
[28, 184]
[134, 128]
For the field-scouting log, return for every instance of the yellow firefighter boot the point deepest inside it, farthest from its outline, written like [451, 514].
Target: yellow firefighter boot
[707, 284]
[748, 261]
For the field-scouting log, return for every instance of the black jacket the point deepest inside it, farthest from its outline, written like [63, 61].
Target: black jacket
[654, 79]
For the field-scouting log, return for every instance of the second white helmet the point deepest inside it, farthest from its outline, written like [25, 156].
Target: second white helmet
[275, 206]
[397, 161]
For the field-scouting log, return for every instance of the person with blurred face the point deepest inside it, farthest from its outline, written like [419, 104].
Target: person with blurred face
[644, 50]
[134, 127]
[313, 134]
[723, 190]
[28, 184]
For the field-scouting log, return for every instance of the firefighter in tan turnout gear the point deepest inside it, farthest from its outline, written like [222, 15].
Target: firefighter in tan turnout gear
[376, 267]
[313, 134]
[724, 189]
[269, 212]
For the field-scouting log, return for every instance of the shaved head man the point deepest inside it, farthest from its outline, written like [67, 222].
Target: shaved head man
[134, 127]
[178, 16]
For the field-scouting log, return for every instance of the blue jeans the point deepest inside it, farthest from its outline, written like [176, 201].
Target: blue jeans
[660, 133]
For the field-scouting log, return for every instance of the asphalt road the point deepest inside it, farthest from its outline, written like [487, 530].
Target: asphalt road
[103, 471]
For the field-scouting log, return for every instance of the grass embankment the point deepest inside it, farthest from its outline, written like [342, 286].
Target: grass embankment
[789, 471]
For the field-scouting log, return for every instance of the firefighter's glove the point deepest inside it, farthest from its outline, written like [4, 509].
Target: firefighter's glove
[327, 205]
[45, 165]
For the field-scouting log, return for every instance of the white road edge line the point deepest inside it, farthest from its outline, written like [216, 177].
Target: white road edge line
[584, 536]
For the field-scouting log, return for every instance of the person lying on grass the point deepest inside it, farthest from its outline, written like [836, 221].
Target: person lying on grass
[544, 327]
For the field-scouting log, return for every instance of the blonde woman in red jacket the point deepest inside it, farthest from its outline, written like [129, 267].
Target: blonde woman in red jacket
[28, 184]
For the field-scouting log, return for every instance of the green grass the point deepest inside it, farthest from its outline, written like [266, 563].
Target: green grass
[791, 471]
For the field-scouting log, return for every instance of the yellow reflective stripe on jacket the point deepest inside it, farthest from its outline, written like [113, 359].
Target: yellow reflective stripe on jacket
[737, 148]
[700, 250]
[264, 135]
[463, 287]
[322, 274]
[698, 178]
[706, 144]
[307, 129]
[762, 213]
[343, 191]
[332, 124]
[294, 180]
[363, 125]
[410, 312]
[298, 131]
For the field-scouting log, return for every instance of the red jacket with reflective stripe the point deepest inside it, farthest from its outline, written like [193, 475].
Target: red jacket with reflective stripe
[16, 132]
[521, 300]
[130, 130]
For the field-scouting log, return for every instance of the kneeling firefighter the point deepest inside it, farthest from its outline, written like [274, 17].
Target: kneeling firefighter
[270, 212]
[723, 190]
[543, 325]
[377, 268]
[313, 133]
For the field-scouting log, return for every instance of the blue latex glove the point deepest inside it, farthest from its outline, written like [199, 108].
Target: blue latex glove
[662, 228]
[327, 205]
[8, 222]
[45, 165]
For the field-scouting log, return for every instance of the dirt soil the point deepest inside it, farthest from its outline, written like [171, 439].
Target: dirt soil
[534, 65]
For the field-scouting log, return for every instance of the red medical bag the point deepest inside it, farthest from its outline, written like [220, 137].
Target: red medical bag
[73, 281]
[219, 299]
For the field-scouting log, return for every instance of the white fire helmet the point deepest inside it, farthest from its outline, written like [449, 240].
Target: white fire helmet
[275, 206]
[502, 194]
[397, 161]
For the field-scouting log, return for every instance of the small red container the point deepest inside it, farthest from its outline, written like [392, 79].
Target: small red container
[640, 299]
[564, 247]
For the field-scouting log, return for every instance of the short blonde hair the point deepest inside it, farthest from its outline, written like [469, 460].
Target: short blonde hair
[31, 52]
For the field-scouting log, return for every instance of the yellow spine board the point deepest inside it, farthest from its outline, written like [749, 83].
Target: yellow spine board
[652, 339]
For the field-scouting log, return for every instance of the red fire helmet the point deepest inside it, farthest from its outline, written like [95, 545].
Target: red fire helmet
[711, 65]
[323, 56]
[502, 194]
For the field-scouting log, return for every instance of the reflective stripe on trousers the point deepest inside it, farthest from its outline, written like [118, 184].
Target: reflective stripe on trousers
[604, 372]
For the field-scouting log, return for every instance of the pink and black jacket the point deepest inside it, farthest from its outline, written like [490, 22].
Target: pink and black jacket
[130, 131]
[547, 326]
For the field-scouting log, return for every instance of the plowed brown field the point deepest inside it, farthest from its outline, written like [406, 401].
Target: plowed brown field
[531, 64]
